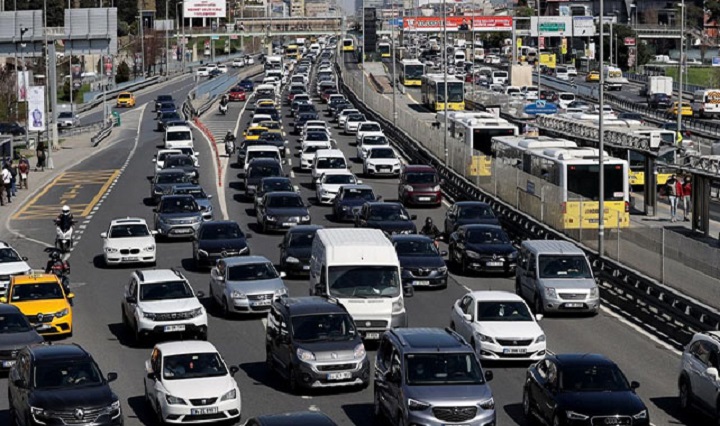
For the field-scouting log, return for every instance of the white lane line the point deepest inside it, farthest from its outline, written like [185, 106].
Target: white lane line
[640, 330]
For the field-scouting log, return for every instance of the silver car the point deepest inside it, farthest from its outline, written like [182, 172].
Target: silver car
[245, 285]
[177, 216]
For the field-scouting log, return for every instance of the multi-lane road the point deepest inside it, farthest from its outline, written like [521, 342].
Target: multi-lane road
[98, 290]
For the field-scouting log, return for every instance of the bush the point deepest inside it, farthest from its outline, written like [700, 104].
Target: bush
[123, 73]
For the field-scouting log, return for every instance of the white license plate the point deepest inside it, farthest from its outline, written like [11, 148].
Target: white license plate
[494, 264]
[573, 305]
[306, 267]
[172, 328]
[261, 303]
[423, 198]
[514, 351]
[8, 364]
[372, 336]
[421, 282]
[182, 231]
[208, 410]
[289, 224]
[129, 259]
[339, 376]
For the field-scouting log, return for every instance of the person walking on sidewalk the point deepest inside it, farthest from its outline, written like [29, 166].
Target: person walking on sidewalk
[40, 152]
[686, 194]
[23, 170]
[7, 182]
[673, 189]
[13, 172]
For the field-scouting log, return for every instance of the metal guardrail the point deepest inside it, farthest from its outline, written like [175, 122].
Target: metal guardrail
[103, 133]
[661, 309]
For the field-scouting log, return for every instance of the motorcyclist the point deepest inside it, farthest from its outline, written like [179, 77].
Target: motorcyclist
[229, 142]
[59, 267]
[430, 230]
[65, 219]
[224, 100]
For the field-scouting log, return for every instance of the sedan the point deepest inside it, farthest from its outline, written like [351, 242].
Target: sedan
[281, 211]
[468, 213]
[16, 334]
[295, 249]
[499, 326]
[237, 94]
[484, 248]
[67, 119]
[272, 184]
[592, 76]
[128, 241]
[391, 218]
[350, 199]
[352, 122]
[219, 239]
[247, 84]
[167, 117]
[203, 200]
[421, 262]
[246, 284]
[182, 162]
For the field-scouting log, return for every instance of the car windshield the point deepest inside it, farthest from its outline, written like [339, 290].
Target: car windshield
[237, 90]
[163, 155]
[271, 137]
[124, 96]
[391, 212]
[179, 161]
[170, 115]
[593, 378]
[476, 212]
[418, 178]
[129, 231]
[443, 369]
[358, 194]
[196, 192]
[184, 135]
[503, 311]
[179, 205]
[374, 140]
[289, 201]
[331, 163]
[487, 236]
[317, 136]
[252, 272]
[193, 366]
[66, 374]
[229, 231]
[165, 291]
[364, 281]
[262, 154]
[372, 127]
[167, 105]
[39, 291]
[339, 179]
[171, 178]
[65, 115]
[563, 266]
[277, 185]
[164, 98]
[14, 323]
[382, 153]
[301, 239]
[416, 248]
[355, 117]
[324, 327]
[8, 255]
[262, 171]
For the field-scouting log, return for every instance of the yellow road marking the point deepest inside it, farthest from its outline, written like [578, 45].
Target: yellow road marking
[100, 193]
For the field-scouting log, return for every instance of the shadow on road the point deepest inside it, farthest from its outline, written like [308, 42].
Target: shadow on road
[361, 414]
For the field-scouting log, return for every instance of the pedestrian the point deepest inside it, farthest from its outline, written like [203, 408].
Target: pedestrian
[40, 152]
[23, 170]
[673, 189]
[687, 193]
[7, 182]
[12, 167]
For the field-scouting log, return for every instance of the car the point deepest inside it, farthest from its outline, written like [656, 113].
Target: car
[280, 211]
[272, 184]
[189, 382]
[300, 107]
[247, 84]
[381, 161]
[161, 302]
[370, 140]
[421, 262]
[14, 129]
[698, 382]
[67, 119]
[254, 132]
[468, 213]
[276, 139]
[343, 115]
[391, 218]
[367, 127]
[295, 249]
[61, 384]
[237, 94]
[327, 160]
[419, 185]
[166, 107]
[300, 418]
[582, 389]
[660, 101]
[245, 285]
[549, 95]
[163, 99]
[631, 117]
[254, 152]
[45, 302]
[259, 169]
[313, 344]
[329, 183]
[222, 68]
[11, 263]
[309, 149]
[352, 122]
[163, 181]
[202, 72]
[128, 240]
[16, 332]
[592, 76]
[268, 110]
[571, 70]
[218, 239]
[482, 248]
[125, 100]
[349, 201]
[214, 73]
[685, 110]
[499, 326]
[166, 119]
[177, 216]
[430, 376]
[184, 163]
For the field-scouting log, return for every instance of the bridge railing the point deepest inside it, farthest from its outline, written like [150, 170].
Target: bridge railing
[259, 25]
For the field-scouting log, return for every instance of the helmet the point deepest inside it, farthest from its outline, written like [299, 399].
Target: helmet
[55, 255]
[66, 209]
[428, 221]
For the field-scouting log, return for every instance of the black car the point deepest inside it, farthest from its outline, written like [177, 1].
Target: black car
[275, 139]
[482, 248]
[271, 111]
[333, 103]
[295, 249]
[300, 418]
[660, 101]
[421, 262]
[165, 118]
[581, 389]
[61, 384]
[300, 106]
[182, 162]
[391, 218]
[12, 129]
[272, 184]
[282, 210]
[301, 119]
[217, 239]
[313, 343]
[335, 108]
[163, 181]
[15, 333]
[167, 107]
[350, 199]
[259, 169]
[467, 213]
[161, 99]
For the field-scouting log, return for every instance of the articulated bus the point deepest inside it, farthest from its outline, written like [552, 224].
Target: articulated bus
[575, 170]
[384, 49]
[434, 91]
[292, 52]
[348, 44]
[411, 72]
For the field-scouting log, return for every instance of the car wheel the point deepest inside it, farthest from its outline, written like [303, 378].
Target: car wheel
[527, 407]
[685, 394]
[538, 305]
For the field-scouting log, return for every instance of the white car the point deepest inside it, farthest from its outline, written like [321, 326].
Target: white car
[343, 116]
[499, 326]
[381, 160]
[128, 240]
[249, 60]
[329, 183]
[238, 63]
[222, 68]
[162, 154]
[314, 129]
[189, 382]
[308, 150]
[369, 140]
[352, 122]
[531, 93]
[571, 71]
[313, 123]
[367, 127]
[11, 263]
[159, 302]
[202, 72]
[211, 67]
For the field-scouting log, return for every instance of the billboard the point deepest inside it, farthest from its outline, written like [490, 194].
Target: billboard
[551, 26]
[23, 84]
[583, 26]
[457, 23]
[204, 8]
[36, 109]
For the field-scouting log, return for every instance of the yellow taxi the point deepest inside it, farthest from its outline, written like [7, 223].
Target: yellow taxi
[125, 100]
[593, 76]
[685, 109]
[265, 103]
[254, 132]
[43, 300]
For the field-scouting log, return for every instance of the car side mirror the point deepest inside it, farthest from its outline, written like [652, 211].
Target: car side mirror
[131, 299]
[408, 291]
[103, 235]
[538, 317]
[320, 290]
[153, 232]
[489, 375]
[70, 295]
[150, 178]
[154, 160]
[112, 376]
[19, 383]
[413, 217]
[210, 197]
[200, 294]
[359, 181]
[283, 275]
[233, 370]
[24, 258]
[443, 253]
[248, 236]
[467, 317]
[155, 210]
[378, 198]
[635, 385]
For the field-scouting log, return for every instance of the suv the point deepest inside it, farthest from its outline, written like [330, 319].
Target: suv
[163, 181]
[432, 377]
[698, 383]
[161, 301]
[177, 216]
[61, 384]
[419, 185]
[660, 101]
[11, 263]
[313, 343]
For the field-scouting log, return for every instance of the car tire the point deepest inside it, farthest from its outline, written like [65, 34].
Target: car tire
[377, 410]
[685, 394]
[530, 418]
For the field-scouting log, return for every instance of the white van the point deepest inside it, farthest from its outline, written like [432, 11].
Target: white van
[561, 73]
[499, 77]
[261, 151]
[178, 137]
[360, 269]
[315, 48]
[266, 90]
[565, 99]
[459, 56]
[328, 159]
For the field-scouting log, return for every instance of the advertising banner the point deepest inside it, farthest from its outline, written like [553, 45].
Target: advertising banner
[457, 23]
[563, 46]
[204, 8]
[36, 108]
[551, 26]
[23, 84]
[629, 41]
[77, 76]
[584, 26]
[108, 65]
[541, 42]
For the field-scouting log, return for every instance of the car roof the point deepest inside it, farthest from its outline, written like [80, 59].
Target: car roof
[128, 220]
[262, 148]
[419, 168]
[304, 228]
[357, 186]
[472, 204]
[264, 162]
[275, 178]
[148, 276]
[383, 203]
[176, 197]
[34, 278]
[59, 351]
[6, 308]
[411, 237]
[425, 339]
[282, 194]
[493, 295]
[185, 347]
[304, 418]
[178, 128]
[582, 359]
[245, 260]
[311, 305]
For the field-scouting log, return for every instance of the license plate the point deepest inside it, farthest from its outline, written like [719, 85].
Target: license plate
[494, 264]
[514, 351]
[208, 410]
[182, 231]
[339, 376]
[306, 267]
[421, 282]
[129, 259]
[289, 224]
[262, 303]
[8, 364]
[372, 336]
[424, 198]
[573, 305]
[172, 328]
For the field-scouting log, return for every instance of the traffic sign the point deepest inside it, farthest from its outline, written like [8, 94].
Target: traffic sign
[541, 107]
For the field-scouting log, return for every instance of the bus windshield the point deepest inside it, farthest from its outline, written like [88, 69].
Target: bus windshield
[482, 138]
[414, 71]
[584, 180]
[456, 92]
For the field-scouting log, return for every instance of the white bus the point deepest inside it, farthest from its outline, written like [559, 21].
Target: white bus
[477, 129]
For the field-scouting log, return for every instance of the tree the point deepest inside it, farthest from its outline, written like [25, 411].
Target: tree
[123, 73]
[713, 9]
[525, 12]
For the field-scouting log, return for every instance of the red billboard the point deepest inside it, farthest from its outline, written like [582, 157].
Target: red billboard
[457, 23]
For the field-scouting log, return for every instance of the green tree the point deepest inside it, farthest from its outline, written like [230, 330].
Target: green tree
[713, 9]
[525, 12]
[123, 73]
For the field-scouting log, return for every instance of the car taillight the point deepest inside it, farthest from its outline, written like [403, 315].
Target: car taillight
[563, 208]
[627, 207]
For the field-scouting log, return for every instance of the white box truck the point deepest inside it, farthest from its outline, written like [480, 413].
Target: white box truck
[658, 84]
[614, 79]
[360, 269]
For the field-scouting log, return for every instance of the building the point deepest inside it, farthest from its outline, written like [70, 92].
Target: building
[297, 8]
[316, 8]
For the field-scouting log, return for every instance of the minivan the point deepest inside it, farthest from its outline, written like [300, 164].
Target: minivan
[328, 159]
[555, 276]
[178, 137]
[561, 73]
[499, 77]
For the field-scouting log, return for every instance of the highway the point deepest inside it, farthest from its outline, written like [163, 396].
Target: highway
[241, 341]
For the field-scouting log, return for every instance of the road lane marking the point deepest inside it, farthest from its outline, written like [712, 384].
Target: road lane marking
[103, 193]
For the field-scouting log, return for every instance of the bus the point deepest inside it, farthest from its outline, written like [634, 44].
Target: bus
[292, 52]
[434, 91]
[706, 103]
[411, 72]
[477, 129]
[384, 49]
[575, 171]
[348, 44]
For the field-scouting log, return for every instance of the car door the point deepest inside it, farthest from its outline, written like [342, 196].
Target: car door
[153, 379]
[698, 362]
[708, 383]
[217, 281]
[271, 336]
[130, 300]
[536, 383]
[382, 366]
[546, 393]
[284, 245]
[285, 351]
[528, 278]
[19, 395]
[463, 326]
[448, 219]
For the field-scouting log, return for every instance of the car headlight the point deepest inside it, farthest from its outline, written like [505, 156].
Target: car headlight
[173, 400]
[550, 292]
[60, 314]
[35, 411]
[415, 405]
[541, 338]
[229, 395]
[150, 248]
[304, 355]
[202, 253]
[197, 219]
[436, 188]
[571, 415]
[398, 306]
[641, 415]
[594, 292]
[196, 312]
[406, 231]
[157, 191]
[281, 292]
[472, 254]
[270, 218]
[111, 250]
[359, 351]
[513, 255]
[442, 269]
[488, 404]
[238, 295]
[291, 259]
[305, 218]
[485, 338]
[409, 188]
[149, 315]
[344, 208]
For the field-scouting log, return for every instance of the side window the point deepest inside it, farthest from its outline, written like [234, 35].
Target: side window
[384, 352]
[552, 374]
[531, 263]
[155, 360]
[132, 288]
[465, 303]
[702, 352]
[542, 369]
[471, 309]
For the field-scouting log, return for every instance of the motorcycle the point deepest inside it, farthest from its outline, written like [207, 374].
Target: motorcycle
[229, 146]
[58, 267]
[223, 109]
[64, 237]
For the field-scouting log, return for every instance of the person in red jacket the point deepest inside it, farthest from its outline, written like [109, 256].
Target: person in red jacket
[686, 193]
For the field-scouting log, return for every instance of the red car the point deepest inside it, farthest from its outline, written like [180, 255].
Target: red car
[326, 94]
[237, 94]
[419, 185]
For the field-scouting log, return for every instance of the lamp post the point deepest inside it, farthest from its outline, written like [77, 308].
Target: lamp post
[392, 59]
[445, 77]
[23, 30]
[142, 44]
[362, 56]
[601, 138]
[680, 71]
[167, 36]
[537, 57]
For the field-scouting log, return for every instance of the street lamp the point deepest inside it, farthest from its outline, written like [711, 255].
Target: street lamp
[392, 58]
[23, 30]
[601, 137]
[680, 71]
[167, 36]
[445, 78]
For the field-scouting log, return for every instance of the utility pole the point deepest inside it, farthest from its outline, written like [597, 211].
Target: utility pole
[445, 78]
[680, 70]
[142, 41]
[392, 58]
[537, 57]
[23, 30]
[362, 58]
[167, 36]
[601, 138]
[51, 73]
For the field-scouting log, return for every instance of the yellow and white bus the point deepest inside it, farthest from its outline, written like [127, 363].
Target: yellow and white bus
[384, 48]
[292, 52]
[411, 72]
[348, 44]
[434, 93]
